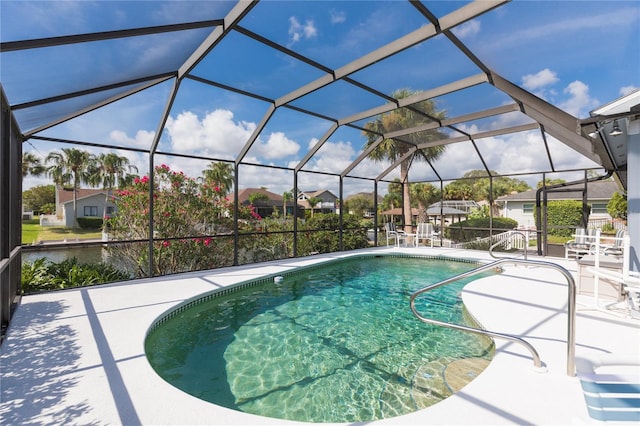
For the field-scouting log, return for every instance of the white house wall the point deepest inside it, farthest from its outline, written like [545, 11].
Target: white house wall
[515, 210]
[97, 200]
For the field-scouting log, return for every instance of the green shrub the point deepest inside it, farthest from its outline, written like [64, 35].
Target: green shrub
[90, 222]
[618, 206]
[456, 232]
[322, 234]
[563, 217]
[44, 275]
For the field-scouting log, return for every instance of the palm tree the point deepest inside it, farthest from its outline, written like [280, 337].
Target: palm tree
[219, 174]
[424, 194]
[313, 202]
[110, 171]
[31, 165]
[286, 197]
[70, 165]
[392, 149]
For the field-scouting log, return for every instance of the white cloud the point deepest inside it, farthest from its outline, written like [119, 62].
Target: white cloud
[579, 102]
[297, 31]
[539, 80]
[468, 29]
[277, 146]
[624, 91]
[337, 16]
[142, 139]
[216, 133]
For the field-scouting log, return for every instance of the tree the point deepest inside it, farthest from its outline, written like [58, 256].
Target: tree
[191, 224]
[393, 198]
[31, 165]
[110, 170]
[617, 206]
[420, 113]
[39, 198]
[424, 194]
[71, 166]
[286, 197]
[476, 185]
[219, 174]
[313, 202]
[549, 182]
[358, 205]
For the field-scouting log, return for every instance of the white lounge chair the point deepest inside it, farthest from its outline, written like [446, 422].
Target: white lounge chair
[395, 234]
[425, 231]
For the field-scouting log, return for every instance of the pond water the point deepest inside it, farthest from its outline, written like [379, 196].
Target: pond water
[83, 254]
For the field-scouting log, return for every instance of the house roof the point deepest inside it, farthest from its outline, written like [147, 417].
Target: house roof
[244, 194]
[66, 195]
[318, 192]
[599, 190]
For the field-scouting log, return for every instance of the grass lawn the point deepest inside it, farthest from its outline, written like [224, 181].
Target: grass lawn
[30, 230]
[33, 232]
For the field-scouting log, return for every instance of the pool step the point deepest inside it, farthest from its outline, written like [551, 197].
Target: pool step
[460, 372]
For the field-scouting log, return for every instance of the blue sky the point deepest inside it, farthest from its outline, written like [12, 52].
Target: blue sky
[577, 55]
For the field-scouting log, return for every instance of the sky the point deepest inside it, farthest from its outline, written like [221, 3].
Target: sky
[576, 55]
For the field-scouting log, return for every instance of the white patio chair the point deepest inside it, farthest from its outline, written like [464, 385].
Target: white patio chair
[395, 234]
[629, 280]
[425, 231]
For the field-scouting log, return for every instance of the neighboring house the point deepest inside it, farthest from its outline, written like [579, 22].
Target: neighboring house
[266, 207]
[90, 203]
[521, 206]
[326, 205]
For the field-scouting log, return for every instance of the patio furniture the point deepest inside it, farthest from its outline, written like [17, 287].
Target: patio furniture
[626, 279]
[425, 231]
[581, 244]
[395, 234]
[614, 249]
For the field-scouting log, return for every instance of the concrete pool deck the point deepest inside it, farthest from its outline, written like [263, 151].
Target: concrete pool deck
[77, 356]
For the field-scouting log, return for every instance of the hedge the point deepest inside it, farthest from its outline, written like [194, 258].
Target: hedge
[458, 234]
[90, 222]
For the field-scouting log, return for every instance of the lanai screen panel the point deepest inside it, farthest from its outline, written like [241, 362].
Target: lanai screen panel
[130, 122]
[301, 26]
[285, 139]
[246, 64]
[429, 68]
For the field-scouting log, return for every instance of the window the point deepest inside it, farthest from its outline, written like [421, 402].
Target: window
[527, 208]
[91, 211]
[599, 208]
[111, 210]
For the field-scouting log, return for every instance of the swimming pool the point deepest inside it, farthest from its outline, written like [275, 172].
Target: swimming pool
[335, 343]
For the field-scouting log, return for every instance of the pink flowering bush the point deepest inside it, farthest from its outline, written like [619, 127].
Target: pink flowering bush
[192, 224]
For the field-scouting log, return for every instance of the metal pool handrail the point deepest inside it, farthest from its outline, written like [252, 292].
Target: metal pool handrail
[571, 309]
[509, 237]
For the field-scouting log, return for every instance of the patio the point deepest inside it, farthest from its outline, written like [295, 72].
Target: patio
[77, 356]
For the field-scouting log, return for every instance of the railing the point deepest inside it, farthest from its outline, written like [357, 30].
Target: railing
[499, 239]
[507, 239]
[571, 332]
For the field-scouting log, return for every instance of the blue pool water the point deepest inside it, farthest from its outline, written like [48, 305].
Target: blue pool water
[330, 344]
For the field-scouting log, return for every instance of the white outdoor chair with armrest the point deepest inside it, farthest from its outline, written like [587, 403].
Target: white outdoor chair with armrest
[394, 234]
[628, 279]
[615, 249]
[425, 231]
[581, 244]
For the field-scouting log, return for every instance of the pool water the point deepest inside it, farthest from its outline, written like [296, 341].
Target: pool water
[331, 344]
